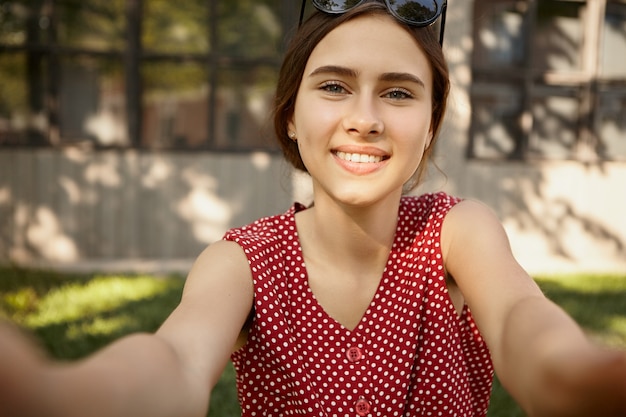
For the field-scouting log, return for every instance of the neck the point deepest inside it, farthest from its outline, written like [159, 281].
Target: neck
[356, 237]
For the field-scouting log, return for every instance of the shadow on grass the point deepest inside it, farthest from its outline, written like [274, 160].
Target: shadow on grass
[73, 315]
[74, 339]
[598, 304]
[39, 282]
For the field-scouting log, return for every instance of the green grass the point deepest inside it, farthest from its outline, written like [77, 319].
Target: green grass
[74, 315]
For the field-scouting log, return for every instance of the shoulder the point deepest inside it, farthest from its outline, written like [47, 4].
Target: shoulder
[224, 262]
[472, 219]
[436, 198]
[265, 237]
[430, 202]
[426, 208]
[265, 227]
[471, 228]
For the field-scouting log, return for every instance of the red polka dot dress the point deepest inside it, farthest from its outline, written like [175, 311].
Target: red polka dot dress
[410, 355]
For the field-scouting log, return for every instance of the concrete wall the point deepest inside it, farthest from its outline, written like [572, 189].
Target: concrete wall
[129, 210]
[561, 216]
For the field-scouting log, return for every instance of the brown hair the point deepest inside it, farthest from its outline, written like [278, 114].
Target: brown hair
[312, 31]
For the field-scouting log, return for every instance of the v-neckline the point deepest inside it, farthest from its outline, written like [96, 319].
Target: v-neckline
[309, 291]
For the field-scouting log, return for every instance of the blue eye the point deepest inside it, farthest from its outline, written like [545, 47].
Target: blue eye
[399, 94]
[333, 88]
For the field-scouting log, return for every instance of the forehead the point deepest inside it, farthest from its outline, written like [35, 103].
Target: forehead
[373, 43]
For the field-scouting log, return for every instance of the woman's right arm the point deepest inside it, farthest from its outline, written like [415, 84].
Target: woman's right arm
[169, 373]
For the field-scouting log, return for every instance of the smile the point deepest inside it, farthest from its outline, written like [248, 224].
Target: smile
[358, 157]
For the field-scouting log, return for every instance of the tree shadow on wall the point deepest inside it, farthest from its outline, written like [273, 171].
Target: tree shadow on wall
[71, 204]
[515, 186]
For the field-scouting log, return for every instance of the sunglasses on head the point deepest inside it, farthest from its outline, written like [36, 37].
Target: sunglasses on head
[419, 13]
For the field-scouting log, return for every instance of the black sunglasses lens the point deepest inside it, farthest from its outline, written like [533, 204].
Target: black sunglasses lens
[335, 6]
[422, 11]
[417, 12]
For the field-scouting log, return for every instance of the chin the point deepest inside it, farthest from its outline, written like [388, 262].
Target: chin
[357, 200]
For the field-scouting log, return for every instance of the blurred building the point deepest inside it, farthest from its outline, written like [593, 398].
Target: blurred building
[135, 132]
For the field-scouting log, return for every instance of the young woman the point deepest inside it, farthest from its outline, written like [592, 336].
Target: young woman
[368, 302]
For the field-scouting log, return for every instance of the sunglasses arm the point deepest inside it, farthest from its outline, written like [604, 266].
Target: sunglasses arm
[442, 27]
[302, 12]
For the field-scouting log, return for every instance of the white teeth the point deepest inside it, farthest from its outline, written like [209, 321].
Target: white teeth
[358, 157]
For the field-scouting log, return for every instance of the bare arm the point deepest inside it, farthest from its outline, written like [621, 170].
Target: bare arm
[541, 355]
[170, 373]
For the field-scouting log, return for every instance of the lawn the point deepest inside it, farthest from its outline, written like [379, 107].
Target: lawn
[73, 315]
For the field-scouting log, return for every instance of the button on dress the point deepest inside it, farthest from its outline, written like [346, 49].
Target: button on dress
[411, 354]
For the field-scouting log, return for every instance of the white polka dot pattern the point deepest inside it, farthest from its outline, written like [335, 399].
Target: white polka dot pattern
[411, 354]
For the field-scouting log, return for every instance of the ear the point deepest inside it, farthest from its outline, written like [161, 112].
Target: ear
[429, 140]
[291, 127]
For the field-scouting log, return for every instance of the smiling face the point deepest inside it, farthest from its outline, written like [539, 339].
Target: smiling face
[362, 116]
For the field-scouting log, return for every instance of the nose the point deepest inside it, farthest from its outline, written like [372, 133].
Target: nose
[363, 118]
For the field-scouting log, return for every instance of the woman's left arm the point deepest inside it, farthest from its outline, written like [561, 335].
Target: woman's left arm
[541, 355]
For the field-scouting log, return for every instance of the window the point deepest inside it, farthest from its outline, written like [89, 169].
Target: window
[140, 73]
[549, 80]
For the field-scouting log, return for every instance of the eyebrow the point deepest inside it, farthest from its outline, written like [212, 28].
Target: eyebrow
[334, 69]
[402, 76]
[347, 72]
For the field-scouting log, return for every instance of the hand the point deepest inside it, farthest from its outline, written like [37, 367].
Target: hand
[21, 359]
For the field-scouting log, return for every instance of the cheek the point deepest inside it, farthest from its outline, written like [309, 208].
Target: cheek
[312, 114]
[307, 145]
[415, 133]
[413, 147]
[320, 118]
